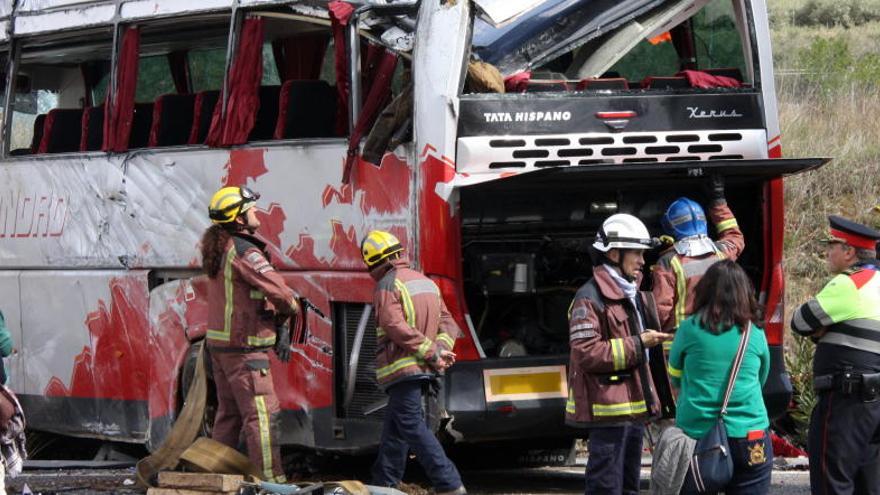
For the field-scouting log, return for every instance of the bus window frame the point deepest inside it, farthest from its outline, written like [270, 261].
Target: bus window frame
[15, 47]
[12, 56]
[352, 33]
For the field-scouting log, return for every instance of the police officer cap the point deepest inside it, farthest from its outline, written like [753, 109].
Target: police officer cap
[852, 233]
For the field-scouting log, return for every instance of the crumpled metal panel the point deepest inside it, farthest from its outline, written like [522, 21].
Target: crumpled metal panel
[53, 20]
[84, 348]
[149, 211]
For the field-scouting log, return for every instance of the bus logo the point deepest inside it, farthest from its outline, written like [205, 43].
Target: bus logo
[699, 113]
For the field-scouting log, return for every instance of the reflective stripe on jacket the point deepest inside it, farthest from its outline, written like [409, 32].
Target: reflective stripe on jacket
[675, 276]
[607, 364]
[244, 296]
[412, 322]
[849, 306]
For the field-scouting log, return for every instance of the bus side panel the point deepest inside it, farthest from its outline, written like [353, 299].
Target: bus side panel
[149, 210]
[87, 351]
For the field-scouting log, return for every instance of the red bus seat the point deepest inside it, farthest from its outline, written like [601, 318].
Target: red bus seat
[203, 111]
[62, 130]
[267, 114]
[140, 125]
[731, 72]
[602, 83]
[92, 136]
[306, 109]
[652, 82]
[172, 120]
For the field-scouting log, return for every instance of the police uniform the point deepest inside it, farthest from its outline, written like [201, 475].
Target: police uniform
[844, 437]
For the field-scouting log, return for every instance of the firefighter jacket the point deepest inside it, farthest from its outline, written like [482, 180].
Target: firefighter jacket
[412, 323]
[245, 296]
[849, 307]
[609, 374]
[676, 275]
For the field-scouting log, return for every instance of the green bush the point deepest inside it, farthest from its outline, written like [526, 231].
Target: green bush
[845, 13]
[831, 66]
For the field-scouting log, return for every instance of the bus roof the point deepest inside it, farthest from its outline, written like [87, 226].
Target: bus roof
[45, 16]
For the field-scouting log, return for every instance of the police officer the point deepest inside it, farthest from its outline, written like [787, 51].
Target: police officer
[612, 324]
[681, 266]
[415, 336]
[245, 295]
[844, 321]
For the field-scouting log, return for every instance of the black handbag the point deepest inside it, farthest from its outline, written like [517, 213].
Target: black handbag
[711, 466]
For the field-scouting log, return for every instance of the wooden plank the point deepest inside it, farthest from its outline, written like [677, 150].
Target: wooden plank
[184, 491]
[201, 481]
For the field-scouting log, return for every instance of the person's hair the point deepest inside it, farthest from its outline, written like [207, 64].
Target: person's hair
[725, 297]
[213, 247]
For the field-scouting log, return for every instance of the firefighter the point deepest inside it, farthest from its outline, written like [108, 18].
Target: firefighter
[415, 336]
[681, 266]
[245, 296]
[612, 324]
[844, 321]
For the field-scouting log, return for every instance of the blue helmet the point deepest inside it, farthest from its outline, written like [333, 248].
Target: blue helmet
[684, 218]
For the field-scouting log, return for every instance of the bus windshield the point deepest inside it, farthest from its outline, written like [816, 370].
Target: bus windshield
[631, 41]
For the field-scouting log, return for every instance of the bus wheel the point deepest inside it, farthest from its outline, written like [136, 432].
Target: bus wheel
[187, 374]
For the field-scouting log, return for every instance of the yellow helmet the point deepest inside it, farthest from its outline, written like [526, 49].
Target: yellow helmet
[230, 202]
[378, 245]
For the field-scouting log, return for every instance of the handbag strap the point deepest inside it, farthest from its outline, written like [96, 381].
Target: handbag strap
[737, 363]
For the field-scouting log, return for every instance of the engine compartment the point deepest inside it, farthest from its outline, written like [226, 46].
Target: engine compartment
[525, 247]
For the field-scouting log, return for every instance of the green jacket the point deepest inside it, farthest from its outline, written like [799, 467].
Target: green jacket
[5, 346]
[700, 362]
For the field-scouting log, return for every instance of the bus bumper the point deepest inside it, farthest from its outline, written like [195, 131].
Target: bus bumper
[520, 402]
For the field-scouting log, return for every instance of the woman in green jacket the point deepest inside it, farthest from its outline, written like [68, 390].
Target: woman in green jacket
[700, 361]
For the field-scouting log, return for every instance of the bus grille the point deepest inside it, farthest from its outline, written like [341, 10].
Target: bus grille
[366, 390]
[493, 154]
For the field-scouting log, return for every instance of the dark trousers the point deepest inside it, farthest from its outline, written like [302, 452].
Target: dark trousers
[844, 445]
[752, 466]
[614, 464]
[405, 428]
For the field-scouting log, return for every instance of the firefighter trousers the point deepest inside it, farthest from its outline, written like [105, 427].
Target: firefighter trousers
[247, 404]
[844, 445]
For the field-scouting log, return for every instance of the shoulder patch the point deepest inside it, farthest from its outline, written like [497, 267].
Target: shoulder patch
[590, 291]
[242, 245]
[862, 277]
[257, 261]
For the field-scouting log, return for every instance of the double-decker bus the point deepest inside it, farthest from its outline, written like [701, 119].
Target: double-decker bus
[121, 118]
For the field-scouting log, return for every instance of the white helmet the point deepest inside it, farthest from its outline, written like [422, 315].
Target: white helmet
[622, 231]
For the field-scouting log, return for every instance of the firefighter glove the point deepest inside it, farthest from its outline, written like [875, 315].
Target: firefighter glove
[282, 342]
[715, 189]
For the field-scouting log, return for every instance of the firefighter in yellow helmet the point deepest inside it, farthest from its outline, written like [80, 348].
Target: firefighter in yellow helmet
[245, 296]
[415, 336]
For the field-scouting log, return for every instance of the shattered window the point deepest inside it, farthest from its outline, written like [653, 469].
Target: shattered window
[625, 45]
[55, 85]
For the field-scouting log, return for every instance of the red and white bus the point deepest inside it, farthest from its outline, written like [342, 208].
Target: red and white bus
[123, 117]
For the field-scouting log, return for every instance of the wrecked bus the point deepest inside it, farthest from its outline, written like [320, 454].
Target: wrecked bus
[123, 117]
